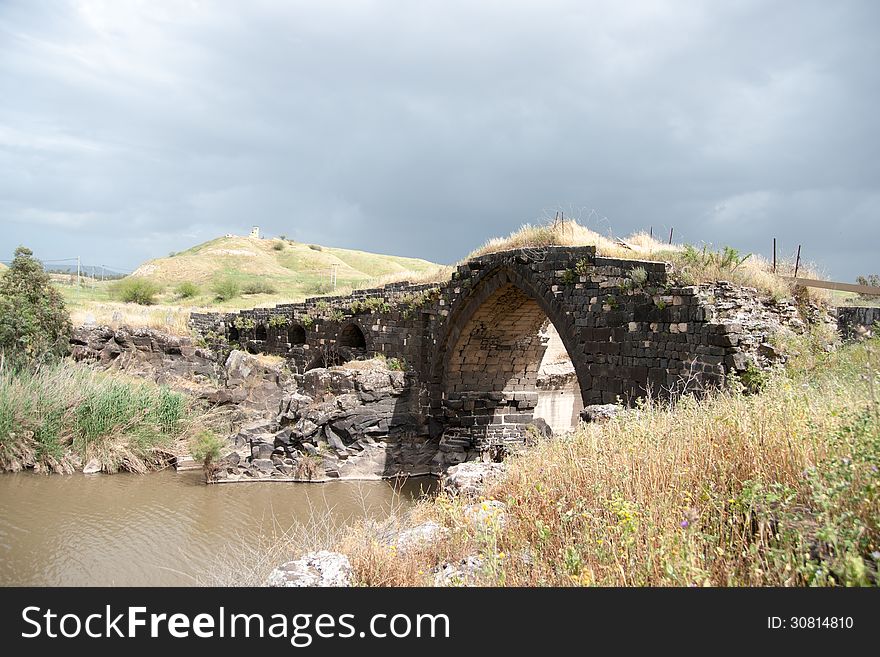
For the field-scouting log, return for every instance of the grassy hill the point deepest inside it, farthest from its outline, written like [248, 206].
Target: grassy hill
[265, 272]
[293, 269]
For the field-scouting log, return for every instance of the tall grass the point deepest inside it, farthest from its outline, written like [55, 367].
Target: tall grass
[778, 488]
[61, 415]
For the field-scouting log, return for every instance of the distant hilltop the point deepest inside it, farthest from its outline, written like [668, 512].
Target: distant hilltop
[289, 268]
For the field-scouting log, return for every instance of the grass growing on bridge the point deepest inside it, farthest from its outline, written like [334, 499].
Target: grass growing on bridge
[58, 415]
[690, 265]
[779, 488]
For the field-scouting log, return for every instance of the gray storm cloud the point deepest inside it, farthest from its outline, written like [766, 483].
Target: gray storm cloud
[131, 129]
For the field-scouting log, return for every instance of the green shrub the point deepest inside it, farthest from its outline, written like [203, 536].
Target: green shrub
[207, 447]
[226, 289]
[321, 287]
[639, 276]
[136, 290]
[187, 290]
[258, 287]
[396, 364]
[871, 280]
[244, 323]
[278, 245]
[34, 324]
[315, 247]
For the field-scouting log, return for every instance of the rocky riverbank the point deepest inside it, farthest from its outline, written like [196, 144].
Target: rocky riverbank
[361, 420]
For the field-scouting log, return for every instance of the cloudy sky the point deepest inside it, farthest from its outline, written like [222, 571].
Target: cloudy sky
[131, 129]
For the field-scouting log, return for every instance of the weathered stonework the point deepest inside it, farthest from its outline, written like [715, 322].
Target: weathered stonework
[476, 344]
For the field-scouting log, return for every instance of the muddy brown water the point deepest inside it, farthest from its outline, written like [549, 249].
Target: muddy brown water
[165, 528]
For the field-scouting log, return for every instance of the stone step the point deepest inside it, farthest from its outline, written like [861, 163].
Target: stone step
[186, 462]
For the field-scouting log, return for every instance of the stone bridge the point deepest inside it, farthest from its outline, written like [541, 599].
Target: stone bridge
[521, 335]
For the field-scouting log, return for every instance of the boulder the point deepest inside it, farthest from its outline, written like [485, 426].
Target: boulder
[600, 412]
[322, 568]
[487, 516]
[264, 465]
[459, 573]
[420, 536]
[471, 478]
[92, 467]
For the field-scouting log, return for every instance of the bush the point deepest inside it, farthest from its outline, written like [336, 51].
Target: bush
[321, 287]
[34, 324]
[258, 287]
[136, 290]
[206, 447]
[226, 289]
[187, 290]
[278, 245]
[315, 247]
[872, 280]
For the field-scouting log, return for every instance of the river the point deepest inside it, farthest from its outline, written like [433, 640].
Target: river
[167, 528]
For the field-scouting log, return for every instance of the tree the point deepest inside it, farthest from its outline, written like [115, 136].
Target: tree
[34, 324]
[872, 280]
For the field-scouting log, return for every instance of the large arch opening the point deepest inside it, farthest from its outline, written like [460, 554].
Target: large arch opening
[508, 368]
[260, 333]
[352, 336]
[296, 334]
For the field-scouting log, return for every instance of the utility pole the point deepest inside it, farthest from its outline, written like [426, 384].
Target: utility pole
[102, 273]
[77, 271]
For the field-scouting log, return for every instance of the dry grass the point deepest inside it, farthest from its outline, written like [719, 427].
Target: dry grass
[171, 319]
[571, 233]
[778, 488]
[243, 563]
[690, 265]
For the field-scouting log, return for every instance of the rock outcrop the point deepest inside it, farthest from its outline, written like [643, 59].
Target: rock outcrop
[471, 478]
[346, 423]
[322, 568]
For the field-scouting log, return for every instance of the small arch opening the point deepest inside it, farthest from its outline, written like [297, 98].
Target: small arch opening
[234, 335]
[352, 337]
[260, 333]
[296, 334]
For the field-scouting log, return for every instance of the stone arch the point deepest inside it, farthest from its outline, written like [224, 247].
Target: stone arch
[234, 334]
[331, 356]
[352, 336]
[261, 334]
[491, 348]
[296, 334]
